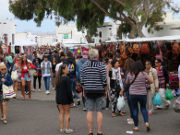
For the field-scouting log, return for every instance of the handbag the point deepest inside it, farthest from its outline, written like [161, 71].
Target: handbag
[31, 72]
[169, 94]
[14, 75]
[8, 92]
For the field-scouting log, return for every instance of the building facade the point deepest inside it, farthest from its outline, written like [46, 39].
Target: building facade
[7, 31]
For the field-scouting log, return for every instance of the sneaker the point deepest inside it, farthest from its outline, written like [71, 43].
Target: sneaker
[61, 130]
[84, 109]
[68, 131]
[47, 92]
[78, 102]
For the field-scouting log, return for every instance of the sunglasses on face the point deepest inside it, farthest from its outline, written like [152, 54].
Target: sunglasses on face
[3, 69]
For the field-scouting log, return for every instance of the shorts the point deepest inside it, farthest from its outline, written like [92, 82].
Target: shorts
[26, 77]
[95, 104]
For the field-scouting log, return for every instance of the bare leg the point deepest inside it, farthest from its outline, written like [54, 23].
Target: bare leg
[29, 87]
[5, 104]
[23, 89]
[16, 87]
[1, 107]
[61, 116]
[99, 121]
[67, 115]
[90, 121]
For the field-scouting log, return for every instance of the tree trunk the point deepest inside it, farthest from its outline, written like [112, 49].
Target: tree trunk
[136, 31]
[89, 37]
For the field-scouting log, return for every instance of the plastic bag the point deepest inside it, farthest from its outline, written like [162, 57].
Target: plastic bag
[120, 103]
[176, 105]
[169, 94]
[157, 99]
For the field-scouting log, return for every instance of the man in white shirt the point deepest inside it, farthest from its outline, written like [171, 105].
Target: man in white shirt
[46, 67]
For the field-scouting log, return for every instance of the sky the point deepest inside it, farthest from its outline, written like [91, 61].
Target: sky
[47, 26]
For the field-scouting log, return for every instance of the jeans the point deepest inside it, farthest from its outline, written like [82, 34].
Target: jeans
[47, 82]
[129, 104]
[141, 99]
[53, 80]
[72, 84]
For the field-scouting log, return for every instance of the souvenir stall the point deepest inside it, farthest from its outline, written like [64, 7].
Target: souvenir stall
[25, 46]
[167, 49]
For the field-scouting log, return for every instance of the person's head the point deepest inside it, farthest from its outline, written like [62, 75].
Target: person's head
[24, 59]
[62, 58]
[158, 62]
[137, 68]
[128, 65]
[19, 60]
[69, 54]
[148, 65]
[3, 69]
[53, 60]
[115, 63]
[85, 54]
[93, 54]
[46, 57]
[109, 61]
[63, 70]
[37, 61]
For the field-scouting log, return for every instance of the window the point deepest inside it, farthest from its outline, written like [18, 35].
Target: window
[100, 34]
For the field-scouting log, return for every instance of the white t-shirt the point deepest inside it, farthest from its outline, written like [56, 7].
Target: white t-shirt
[57, 66]
[47, 70]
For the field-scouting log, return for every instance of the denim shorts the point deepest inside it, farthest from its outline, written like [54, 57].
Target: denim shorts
[26, 77]
[95, 104]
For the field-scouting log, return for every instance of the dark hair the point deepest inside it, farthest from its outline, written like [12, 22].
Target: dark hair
[149, 62]
[128, 65]
[59, 74]
[159, 60]
[137, 68]
[69, 54]
[114, 62]
[1, 58]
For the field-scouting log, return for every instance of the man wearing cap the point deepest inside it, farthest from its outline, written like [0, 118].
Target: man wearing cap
[78, 71]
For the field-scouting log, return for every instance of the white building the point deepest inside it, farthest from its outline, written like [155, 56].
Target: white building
[70, 31]
[7, 31]
[107, 32]
[170, 27]
[25, 35]
[46, 39]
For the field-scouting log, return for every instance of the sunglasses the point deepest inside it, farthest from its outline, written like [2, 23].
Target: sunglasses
[3, 69]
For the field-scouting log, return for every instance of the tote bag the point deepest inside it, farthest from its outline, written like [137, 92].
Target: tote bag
[8, 92]
[14, 75]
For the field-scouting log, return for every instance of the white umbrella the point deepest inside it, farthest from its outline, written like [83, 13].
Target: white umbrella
[25, 42]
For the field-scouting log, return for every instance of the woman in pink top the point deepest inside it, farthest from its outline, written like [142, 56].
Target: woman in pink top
[137, 80]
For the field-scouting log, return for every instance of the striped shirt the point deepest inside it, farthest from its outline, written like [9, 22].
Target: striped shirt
[139, 85]
[93, 76]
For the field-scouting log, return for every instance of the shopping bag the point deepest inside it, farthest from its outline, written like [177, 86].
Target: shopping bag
[120, 103]
[8, 92]
[14, 75]
[169, 94]
[157, 101]
[176, 105]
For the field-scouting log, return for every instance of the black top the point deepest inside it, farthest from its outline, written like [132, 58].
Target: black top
[64, 92]
[53, 68]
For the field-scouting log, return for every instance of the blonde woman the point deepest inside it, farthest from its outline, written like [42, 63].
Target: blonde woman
[5, 79]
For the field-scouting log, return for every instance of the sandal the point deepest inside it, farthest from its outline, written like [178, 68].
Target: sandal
[4, 121]
[114, 115]
[122, 114]
[147, 127]
[136, 129]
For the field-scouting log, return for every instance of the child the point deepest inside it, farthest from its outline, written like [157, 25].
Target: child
[64, 98]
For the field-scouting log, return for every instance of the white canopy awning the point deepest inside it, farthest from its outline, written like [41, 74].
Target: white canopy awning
[25, 42]
[147, 39]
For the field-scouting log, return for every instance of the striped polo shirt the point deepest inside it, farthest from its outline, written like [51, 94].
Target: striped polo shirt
[139, 85]
[93, 76]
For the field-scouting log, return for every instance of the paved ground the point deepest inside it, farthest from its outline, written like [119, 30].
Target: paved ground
[40, 117]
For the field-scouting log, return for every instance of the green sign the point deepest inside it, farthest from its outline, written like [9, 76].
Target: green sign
[66, 36]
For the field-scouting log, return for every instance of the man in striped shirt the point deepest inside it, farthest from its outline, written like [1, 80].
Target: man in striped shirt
[93, 80]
